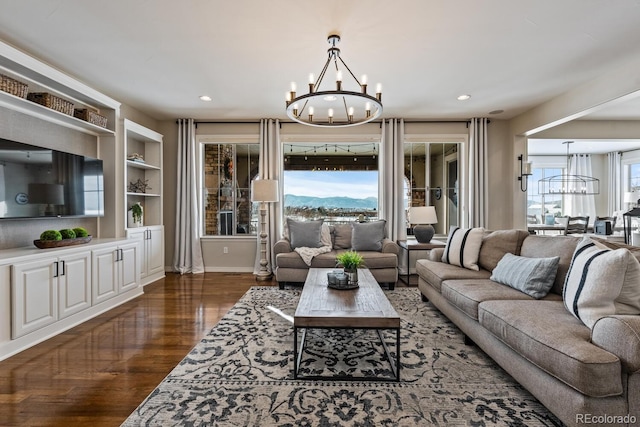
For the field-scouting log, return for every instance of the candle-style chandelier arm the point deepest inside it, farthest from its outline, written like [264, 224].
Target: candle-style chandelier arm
[350, 72]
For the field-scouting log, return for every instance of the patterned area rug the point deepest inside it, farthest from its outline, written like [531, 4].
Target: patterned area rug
[241, 374]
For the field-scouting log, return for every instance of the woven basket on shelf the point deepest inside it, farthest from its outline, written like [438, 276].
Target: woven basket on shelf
[13, 86]
[51, 101]
[91, 117]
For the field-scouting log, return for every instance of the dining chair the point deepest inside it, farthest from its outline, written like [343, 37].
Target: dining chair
[576, 225]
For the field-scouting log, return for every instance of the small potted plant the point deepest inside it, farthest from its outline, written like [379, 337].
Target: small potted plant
[350, 261]
[135, 216]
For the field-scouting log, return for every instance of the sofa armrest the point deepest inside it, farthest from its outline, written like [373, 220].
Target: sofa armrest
[389, 246]
[436, 254]
[620, 335]
[282, 246]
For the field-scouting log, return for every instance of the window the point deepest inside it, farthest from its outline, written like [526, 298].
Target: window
[337, 182]
[228, 169]
[541, 206]
[633, 177]
[431, 179]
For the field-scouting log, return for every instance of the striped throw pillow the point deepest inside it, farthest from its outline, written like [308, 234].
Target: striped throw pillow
[463, 247]
[601, 282]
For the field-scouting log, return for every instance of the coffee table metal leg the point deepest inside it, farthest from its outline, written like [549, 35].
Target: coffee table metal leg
[297, 352]
[395, 365]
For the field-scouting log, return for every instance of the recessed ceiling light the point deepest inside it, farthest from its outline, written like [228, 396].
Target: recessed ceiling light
[205, 98]
[496, 112]
[463, 97]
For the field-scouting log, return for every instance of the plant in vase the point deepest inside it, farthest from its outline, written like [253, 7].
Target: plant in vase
[135, 215]
[350, 261]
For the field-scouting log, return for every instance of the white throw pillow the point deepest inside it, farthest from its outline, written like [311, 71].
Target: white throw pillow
[463, 247]
[601, 282]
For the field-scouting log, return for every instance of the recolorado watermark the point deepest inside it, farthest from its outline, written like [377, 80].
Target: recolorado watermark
[605, 419]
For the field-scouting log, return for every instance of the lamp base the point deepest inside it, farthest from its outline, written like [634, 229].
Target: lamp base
[264, 276]
[423, 232]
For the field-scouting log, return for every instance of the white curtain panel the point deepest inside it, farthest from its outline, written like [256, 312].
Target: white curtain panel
[3, 200]
[582, 205]
[269, 168]
[478, 199]
[614, 196]
[391, 178]
[187, 255]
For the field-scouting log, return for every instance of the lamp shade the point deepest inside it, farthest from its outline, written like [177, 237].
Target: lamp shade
[631, 196]
[423, 215]
[50, 194]
[264, 190]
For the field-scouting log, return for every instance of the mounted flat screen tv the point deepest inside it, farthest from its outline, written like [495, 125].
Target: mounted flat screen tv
[38, 182]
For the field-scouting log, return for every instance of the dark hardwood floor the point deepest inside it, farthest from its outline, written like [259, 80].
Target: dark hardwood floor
[97, 373]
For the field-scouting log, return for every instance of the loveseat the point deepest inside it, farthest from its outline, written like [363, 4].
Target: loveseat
[584, 374]
[368, 239]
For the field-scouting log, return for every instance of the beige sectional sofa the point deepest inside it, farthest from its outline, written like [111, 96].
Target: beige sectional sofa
[291, 268]
[578, 373]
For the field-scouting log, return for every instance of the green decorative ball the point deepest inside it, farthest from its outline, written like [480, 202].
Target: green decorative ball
[68, 233]
[51, 235]
[81, 232]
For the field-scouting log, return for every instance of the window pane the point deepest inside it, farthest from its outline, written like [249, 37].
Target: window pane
[228, 171]
[335, 182]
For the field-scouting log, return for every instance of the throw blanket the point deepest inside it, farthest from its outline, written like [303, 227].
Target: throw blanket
[307, 254]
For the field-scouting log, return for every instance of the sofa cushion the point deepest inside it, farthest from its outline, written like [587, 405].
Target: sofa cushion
[368, 236]
[467, 294]
[342, 236]
[548, 246]
[372, 260]
[304, 233]
[497, 243]
[533, 276]
[435, 272]
[601, 282]
[544, 333]
[463, 247]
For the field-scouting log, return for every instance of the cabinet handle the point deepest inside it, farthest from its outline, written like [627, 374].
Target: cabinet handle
[117, 255]
[63, 269]
[55, 273]
[148, 232]
[121, 254]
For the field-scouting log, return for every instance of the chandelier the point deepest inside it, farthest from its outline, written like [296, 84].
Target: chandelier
[334, 108]
[568, 184]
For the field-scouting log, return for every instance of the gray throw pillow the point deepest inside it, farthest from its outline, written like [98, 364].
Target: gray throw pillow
[368, 236]
[305, 234]
[533, 276]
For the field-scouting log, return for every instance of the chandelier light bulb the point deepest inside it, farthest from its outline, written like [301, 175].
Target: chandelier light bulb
[295, 109]
[339, 80]
[367, 107]
[350, 115]
[363, 85]
[311, 83]
[310, 114]
[293, 91]
[379, 92]
[330, 115]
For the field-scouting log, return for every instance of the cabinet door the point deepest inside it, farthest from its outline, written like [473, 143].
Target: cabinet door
[34, 294]
[104, 272]
[155, 250]
[74, 283]
[140, 235]
[128, 266]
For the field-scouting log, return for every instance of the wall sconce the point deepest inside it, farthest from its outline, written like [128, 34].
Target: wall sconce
[525, 171]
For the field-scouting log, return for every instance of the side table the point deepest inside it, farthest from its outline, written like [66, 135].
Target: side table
[413, 245]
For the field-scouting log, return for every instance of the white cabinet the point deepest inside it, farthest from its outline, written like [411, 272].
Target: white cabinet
[152, 252]
[115, 270]
[48, 289]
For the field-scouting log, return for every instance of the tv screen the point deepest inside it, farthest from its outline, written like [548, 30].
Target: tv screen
[38, 182]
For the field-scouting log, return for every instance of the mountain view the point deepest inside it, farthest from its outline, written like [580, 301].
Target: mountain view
[369, 203]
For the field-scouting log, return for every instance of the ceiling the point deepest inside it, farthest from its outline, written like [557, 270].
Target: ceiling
[159, 57]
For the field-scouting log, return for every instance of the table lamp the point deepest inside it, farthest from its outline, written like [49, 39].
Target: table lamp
[422, 217]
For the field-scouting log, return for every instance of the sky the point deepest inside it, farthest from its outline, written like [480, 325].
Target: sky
[355, 184]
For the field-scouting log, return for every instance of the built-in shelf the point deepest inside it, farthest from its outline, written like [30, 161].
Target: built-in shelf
[40, 111]
[143, 194]
[140, 165]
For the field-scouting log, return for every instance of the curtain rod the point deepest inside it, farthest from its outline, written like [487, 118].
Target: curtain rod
[196, 122]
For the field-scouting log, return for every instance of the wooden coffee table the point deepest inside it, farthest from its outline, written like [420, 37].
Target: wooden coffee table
[365, 307]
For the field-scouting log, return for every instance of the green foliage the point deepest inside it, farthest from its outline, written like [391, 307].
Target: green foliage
[51, 235]
[81, 232]
[350, 260]
[68, 233]
[137, 212]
